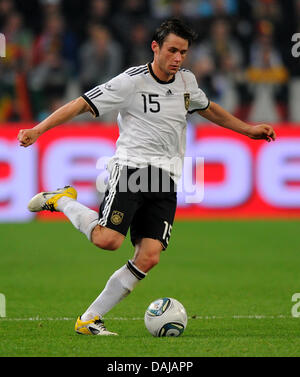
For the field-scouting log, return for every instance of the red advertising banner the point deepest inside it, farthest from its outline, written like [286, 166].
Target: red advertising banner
[242, 178]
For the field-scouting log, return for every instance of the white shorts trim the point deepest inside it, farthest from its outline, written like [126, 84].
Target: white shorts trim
[112, 184]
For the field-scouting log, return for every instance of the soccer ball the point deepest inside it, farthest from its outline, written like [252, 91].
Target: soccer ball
[165, 317]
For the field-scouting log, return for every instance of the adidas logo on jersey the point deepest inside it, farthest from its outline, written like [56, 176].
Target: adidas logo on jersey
[169, 92]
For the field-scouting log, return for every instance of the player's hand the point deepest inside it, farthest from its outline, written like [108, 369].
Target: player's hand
[27, 137]
[262, 131]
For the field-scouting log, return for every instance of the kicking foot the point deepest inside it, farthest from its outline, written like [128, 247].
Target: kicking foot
[93, 327]
[47, 201]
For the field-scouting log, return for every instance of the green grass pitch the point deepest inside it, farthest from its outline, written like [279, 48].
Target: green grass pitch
[235, 278]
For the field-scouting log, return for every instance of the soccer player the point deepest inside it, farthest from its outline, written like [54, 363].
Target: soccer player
[153, 101]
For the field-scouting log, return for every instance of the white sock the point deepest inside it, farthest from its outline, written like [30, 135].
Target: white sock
[119, 285]
[83, 218]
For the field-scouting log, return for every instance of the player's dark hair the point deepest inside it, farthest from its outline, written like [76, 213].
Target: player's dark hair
[176, 27]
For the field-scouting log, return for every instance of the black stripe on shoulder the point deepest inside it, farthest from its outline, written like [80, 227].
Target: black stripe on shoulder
[145, 70]
[90, 103]
[135, 70]
[92, 91]
[95, 95]
[128, 70]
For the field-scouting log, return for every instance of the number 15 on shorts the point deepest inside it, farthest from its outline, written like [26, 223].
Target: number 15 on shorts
[167, 232]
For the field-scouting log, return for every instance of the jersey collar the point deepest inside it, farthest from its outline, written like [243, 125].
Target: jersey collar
[156, 78]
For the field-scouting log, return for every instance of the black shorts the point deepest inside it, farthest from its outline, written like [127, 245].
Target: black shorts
[142, 199]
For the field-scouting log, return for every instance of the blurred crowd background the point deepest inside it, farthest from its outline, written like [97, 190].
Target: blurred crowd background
[58, 49]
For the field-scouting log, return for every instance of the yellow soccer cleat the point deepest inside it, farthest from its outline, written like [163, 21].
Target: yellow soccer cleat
[47, 201]
[92, 327]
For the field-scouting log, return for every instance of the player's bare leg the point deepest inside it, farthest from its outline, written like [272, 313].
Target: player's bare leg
[147, 254]
[105, 238]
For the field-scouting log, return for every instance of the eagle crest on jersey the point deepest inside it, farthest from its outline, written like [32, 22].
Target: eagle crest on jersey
[187, 101]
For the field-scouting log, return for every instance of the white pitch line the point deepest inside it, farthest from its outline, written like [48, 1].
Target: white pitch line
[254, 316]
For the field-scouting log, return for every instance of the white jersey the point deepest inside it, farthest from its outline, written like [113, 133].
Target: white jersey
[152, 115]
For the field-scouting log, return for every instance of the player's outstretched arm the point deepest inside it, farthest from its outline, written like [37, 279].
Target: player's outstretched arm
[60, 116]
[216, 114]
